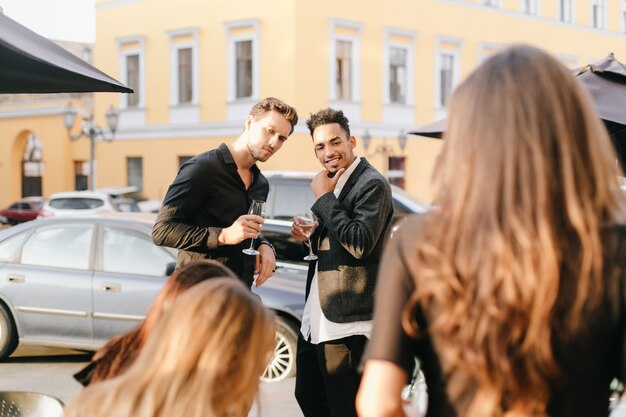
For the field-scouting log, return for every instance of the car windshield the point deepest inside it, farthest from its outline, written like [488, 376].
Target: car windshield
[82, 203]
[36, 204]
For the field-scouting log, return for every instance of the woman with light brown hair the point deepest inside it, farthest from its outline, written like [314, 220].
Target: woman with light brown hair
[203, 359]
[115, 356]
[512, 290]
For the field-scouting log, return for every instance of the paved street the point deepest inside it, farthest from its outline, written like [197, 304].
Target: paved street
[50, 371]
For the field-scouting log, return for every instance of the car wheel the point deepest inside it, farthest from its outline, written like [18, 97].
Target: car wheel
[283, 363]
[8, 333]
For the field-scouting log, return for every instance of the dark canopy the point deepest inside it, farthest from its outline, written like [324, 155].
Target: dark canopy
[30, 63]
[606, 82]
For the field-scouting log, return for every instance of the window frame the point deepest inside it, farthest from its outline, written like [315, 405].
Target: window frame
[409, 49]
[128, 171]
[530, 7]
[175, 47]
[90, 250]
[455, 52]
[124, 51]
[603, 17]
[100, 267]
[569, 18]
[232, 40]
[355, 74]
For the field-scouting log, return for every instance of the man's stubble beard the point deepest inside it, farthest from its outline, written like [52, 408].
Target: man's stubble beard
[253, 154]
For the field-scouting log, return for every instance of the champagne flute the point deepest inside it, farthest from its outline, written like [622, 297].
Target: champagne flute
[256, 207]
[306, 221]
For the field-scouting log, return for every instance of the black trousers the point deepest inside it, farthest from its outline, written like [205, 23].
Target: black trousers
[326, 376]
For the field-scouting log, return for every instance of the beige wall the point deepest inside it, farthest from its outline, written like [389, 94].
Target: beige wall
[58, 151]
[294, 61]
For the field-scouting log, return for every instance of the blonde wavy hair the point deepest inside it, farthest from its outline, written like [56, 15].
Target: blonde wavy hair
[526, 180]
[117, 355]
[204, 359]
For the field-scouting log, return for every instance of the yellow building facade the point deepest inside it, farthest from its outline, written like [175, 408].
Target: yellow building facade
[198, 66]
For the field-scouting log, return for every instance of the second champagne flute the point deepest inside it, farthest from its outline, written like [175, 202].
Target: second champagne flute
[306, 221]
[256, 207]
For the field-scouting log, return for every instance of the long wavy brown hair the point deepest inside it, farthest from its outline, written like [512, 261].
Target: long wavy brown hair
[526, 180]
[203, 359]
[114, 357]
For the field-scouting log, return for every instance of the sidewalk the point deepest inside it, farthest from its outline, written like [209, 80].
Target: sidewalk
[276, 400]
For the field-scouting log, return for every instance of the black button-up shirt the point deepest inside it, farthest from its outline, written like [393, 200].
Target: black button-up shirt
[206, 196]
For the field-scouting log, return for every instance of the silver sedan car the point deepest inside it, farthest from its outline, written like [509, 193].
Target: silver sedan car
[77, 282]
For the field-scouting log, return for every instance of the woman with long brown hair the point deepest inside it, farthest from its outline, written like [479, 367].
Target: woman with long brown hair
[115, 356]
[512, 290]
[203, 359]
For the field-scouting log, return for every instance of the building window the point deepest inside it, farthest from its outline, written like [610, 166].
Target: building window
[185, 75]
[243, 68]
[343, 70]
[132, 80]
[530, 6]
[565, 10]
[447, 71]
[491, 3]
[623, 16]
[446, 77]
[81, 175]
[134, 172]
[396, 171]
[397, 75]
[32, 167]
[598, 13]
[132, 70]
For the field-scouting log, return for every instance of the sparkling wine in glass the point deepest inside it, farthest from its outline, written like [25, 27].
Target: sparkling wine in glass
[306, 221]
[256, 207]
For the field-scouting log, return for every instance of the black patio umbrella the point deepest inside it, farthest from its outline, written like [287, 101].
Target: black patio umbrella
[432, 130]
[606, 82]
[30, 63]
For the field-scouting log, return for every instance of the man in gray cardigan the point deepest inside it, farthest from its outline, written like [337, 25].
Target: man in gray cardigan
[354, 211]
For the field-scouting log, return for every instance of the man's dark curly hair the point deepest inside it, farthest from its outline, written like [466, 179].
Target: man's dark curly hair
[328, 116]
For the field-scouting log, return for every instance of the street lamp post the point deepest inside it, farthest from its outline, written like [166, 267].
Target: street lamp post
[384, 149]
[90, 130]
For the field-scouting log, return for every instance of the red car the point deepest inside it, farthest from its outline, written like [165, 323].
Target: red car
[23, 210]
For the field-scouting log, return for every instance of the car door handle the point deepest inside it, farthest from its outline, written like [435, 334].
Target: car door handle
[18, 279]
[111, 287]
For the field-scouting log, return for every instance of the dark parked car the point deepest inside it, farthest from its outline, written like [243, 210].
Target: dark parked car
[23, 210]
[77, 281]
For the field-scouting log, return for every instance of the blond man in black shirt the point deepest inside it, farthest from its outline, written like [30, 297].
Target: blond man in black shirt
[204, 210]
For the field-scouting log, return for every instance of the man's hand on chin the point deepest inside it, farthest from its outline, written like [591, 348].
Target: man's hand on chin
[324, 182]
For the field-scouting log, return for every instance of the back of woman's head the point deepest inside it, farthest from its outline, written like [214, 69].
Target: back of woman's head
[184, 278]
[119, 353]
[526, 180]
[204, 358]
[522, 135]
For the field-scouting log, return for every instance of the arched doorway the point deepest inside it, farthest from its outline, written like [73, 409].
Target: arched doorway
[32, 167]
